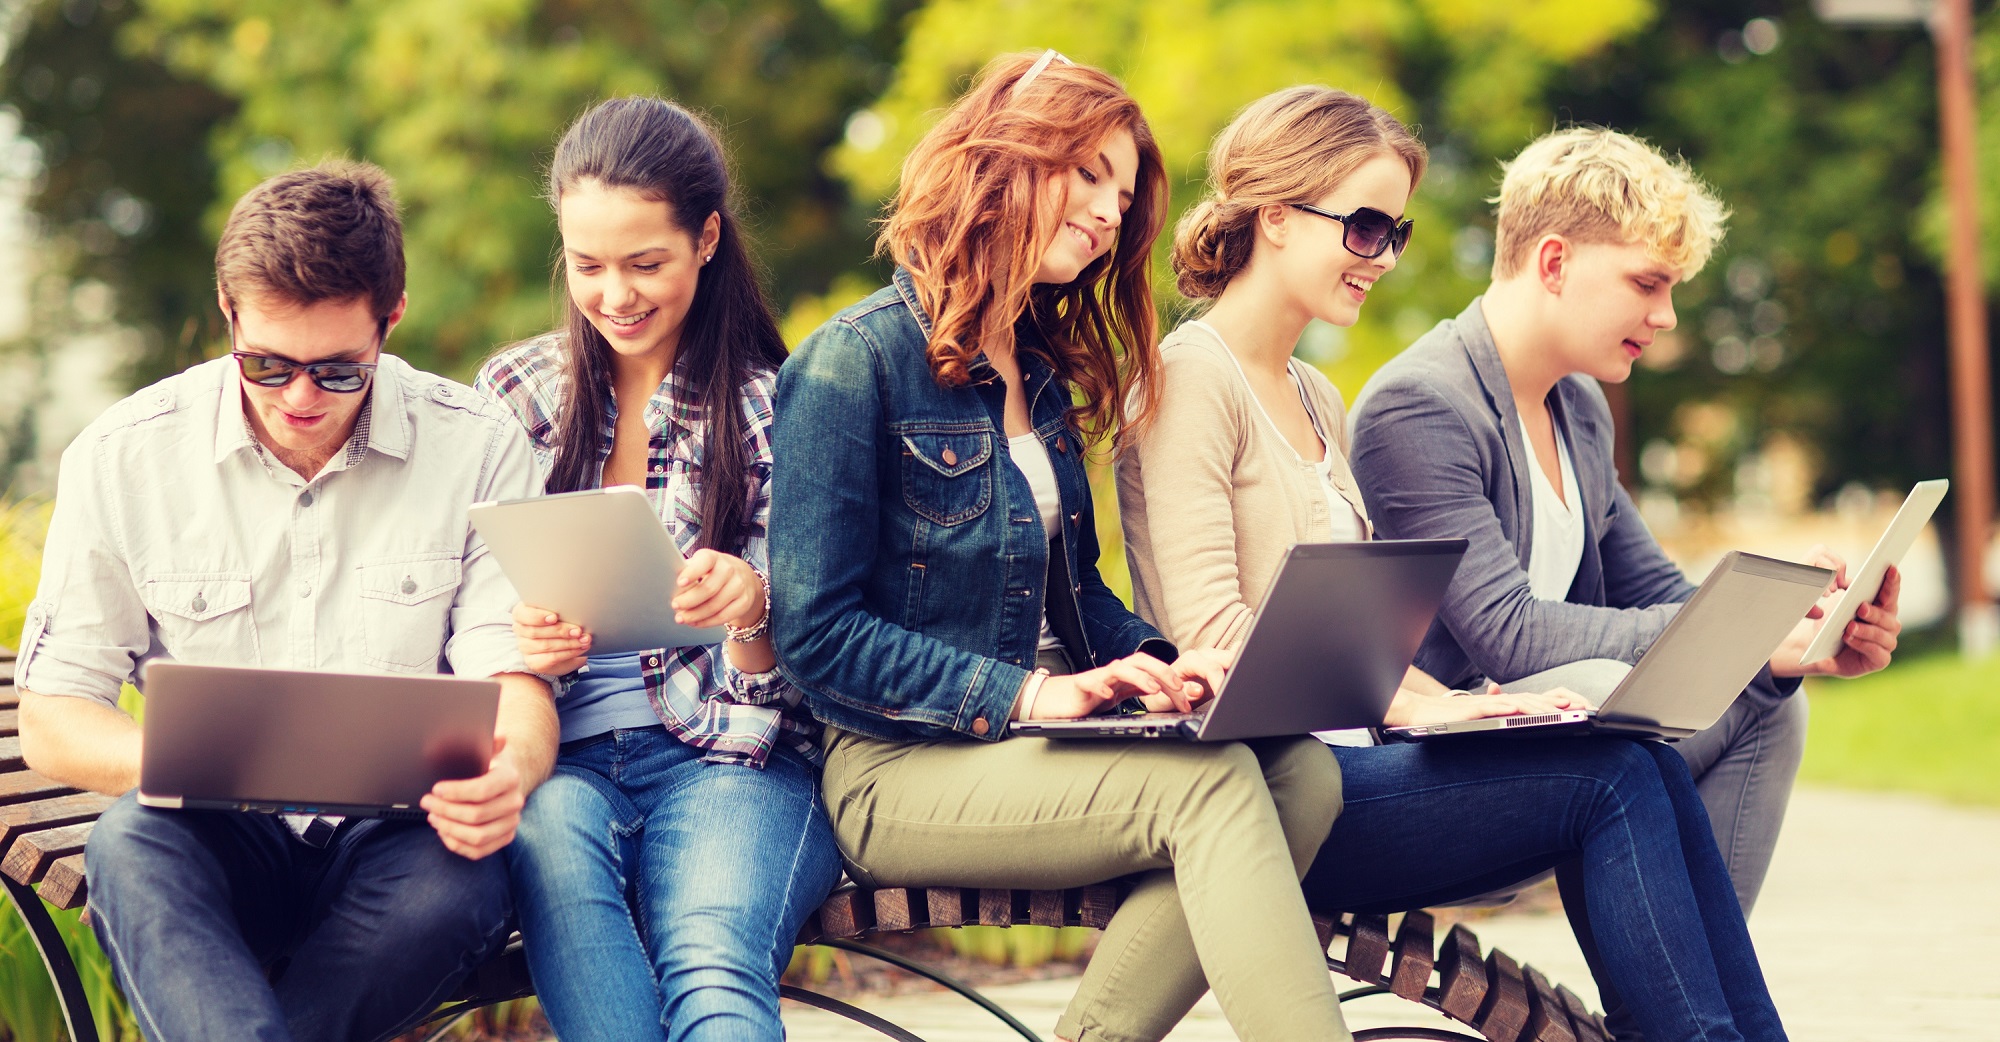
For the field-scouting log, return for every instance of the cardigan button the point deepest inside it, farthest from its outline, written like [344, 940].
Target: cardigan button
[949, 457]
[980, 726]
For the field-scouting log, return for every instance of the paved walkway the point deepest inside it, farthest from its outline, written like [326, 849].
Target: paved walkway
[1879, 923]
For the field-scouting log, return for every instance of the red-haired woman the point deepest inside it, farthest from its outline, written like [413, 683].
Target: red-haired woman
[934, 569]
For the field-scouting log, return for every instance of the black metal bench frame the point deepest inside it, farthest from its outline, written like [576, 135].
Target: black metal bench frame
[43, 827]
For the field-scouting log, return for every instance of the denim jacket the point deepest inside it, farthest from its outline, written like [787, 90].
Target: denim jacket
[909, 566]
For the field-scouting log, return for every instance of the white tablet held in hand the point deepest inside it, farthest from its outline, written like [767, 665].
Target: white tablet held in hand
[1866, 582]
[599, 558]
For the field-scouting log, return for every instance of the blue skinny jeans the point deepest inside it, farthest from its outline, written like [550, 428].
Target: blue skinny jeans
[659, 894]
[1434, 823]
[224, 925]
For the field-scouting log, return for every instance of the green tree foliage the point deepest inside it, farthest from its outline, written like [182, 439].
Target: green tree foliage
[462, 102]
[127, 178]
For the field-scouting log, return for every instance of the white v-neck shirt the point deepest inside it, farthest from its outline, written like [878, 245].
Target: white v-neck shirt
[1556, 548]
[1032, 457]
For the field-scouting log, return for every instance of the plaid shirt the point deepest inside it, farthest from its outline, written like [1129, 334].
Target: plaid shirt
[701, 698]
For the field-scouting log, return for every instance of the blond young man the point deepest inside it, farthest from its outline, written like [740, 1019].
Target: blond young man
[1492, 426]
[299, 505]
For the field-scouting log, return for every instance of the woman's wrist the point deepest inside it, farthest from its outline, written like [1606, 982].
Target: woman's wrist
[1031, 690]
[760, 627]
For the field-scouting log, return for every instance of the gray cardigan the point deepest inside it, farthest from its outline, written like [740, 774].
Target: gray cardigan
[1438, 453]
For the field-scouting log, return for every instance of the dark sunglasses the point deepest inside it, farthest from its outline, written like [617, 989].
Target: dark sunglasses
[1369, 231]
[338, 377]
[267, 371]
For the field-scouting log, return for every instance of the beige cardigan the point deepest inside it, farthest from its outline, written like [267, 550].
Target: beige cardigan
[1212, 495]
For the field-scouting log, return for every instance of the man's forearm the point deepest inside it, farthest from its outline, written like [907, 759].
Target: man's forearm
[80, 742]
[528, 720]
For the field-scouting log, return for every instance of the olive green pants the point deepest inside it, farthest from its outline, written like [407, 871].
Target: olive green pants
[1222, 832]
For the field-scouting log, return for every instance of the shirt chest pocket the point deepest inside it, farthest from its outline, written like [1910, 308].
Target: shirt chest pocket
[947, 477]
[204, 618]
[406, 610]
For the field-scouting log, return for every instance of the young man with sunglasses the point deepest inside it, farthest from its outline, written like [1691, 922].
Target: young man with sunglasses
[1493, 427]
[300, 504]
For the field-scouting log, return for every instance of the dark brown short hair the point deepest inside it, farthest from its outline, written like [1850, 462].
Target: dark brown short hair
[327, 233]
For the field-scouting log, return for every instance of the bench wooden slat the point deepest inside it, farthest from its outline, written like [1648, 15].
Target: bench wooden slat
[1504, 1015]
[1327, 926]
[10, 754]
[1045, 908]
[1367, 948]
[1462, 977]
[1548, 1021]
[47, 814]
[10, 722]
[949, 905]
[22, 786]
[10, 696]
[847, 913]
[1589, 1026]
[1097, 904]
[1415, 955]
[996, 907]
[29, 857]
[64, 885]
[894, 909]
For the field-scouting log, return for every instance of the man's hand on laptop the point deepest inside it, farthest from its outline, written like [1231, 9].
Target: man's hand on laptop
[1870, 640]
[551, 646]
[1164, 688]
[1413, 708]
[477, 816]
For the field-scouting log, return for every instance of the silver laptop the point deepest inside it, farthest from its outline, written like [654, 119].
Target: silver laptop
[1711, 650]
[298, 742]
[1329, 648]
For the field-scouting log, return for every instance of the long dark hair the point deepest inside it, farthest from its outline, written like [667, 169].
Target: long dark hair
[665, 152]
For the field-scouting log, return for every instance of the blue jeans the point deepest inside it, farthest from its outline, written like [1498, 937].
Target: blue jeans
[225, 925]
[1433, 823]
[660, 894]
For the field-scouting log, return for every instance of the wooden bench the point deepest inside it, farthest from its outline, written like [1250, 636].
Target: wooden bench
[43, 827]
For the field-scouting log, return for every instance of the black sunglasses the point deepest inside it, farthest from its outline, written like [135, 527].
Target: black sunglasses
[1369, 231]
[268, 371]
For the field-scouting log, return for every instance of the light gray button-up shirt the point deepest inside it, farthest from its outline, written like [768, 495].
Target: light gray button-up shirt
[176, 535]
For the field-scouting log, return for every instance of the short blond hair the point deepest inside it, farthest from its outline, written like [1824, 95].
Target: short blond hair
[1594, 184]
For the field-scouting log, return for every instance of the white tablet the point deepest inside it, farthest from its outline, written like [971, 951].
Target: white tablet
[599, 558]
[1866, 582]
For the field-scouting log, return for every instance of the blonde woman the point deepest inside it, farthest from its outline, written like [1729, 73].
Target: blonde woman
[1305, 214]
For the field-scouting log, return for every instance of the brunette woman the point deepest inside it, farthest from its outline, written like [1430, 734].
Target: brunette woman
[664, 869]
[935, 568]
[1247, 456]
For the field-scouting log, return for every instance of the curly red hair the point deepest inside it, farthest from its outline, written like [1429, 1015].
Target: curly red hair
[980, 200]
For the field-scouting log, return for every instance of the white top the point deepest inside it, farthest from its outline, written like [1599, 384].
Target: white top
[1032, 457]
[1557, 546]
[176, 535]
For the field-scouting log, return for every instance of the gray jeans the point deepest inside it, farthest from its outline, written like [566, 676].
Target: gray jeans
[1743, 766]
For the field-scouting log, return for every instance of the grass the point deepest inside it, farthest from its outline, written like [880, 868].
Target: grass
[1929, 725]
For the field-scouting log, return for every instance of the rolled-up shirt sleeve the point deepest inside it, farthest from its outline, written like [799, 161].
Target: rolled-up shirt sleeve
[87, 627]
[482, 640]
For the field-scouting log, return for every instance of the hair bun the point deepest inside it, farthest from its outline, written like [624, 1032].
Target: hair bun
[1206, 248]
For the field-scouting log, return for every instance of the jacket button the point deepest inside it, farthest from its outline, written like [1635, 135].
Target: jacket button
[980, 726]
[1061, 445]
[949, 457]
[1075, 517]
